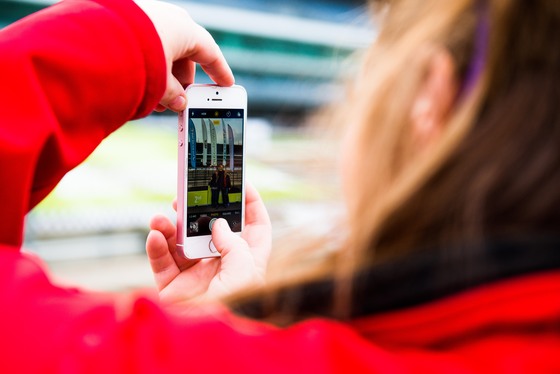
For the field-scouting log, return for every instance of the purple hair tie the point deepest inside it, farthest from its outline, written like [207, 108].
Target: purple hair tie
[478, 60]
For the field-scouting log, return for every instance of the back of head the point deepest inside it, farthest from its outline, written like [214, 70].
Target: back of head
[494, 171]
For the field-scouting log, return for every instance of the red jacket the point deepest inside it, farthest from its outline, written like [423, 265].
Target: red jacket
[55, 70]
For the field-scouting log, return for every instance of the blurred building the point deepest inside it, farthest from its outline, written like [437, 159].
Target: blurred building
[287, 53]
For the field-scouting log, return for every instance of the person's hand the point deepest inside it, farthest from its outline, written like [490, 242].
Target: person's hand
[184, 43]
[242, 263]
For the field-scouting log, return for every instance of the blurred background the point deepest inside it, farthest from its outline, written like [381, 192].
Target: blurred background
[290, 56]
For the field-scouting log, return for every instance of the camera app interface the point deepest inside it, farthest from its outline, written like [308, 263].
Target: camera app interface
[214, 162]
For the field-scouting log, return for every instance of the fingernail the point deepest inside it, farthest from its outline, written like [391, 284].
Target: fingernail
[178, 103]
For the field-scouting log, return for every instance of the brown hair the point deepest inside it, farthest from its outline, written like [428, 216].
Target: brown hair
[495, 170]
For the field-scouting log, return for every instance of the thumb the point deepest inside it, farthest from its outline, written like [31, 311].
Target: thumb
[237, 269]
[174, 97]
[226, 240]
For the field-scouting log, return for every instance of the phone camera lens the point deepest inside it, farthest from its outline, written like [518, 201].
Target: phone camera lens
[217, 93]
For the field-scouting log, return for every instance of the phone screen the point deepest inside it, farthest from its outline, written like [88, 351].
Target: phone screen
[214, 163]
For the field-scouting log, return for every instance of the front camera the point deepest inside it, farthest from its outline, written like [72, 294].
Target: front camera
[217, 93]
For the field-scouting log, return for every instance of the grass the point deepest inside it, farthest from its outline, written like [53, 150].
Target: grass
[137, 165]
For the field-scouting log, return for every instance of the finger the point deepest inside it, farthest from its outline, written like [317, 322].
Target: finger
[174, 97]
[184, 71]
[168, 230]
[237, 267]
[207, 53]
[182, 75]
[164, 225]
[255, 210]
[258, 230]
[160, 108]
[219, 71]
[164, 267]
[224, 239]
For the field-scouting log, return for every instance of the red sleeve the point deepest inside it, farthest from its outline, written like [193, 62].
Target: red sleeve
[71, 74]
[47, 329]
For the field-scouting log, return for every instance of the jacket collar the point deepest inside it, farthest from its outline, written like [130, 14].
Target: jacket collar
[420, 277]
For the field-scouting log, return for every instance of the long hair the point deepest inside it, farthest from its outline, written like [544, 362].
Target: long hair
[493, 172]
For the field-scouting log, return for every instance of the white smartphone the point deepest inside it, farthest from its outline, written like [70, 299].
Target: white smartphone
[211, 163]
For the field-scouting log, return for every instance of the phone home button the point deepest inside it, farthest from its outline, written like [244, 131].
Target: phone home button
[212, 247]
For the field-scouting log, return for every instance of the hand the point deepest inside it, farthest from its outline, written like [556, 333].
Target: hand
[243, 258]
[184, 43]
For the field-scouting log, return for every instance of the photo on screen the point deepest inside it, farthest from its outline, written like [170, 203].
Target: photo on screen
[214, 162]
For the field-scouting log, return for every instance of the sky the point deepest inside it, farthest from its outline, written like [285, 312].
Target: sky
[235, 123]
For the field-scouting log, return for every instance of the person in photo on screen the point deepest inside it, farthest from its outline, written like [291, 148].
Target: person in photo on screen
[220, 185]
